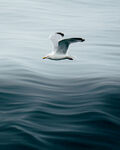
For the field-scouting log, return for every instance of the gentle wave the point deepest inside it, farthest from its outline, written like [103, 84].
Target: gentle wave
[59, 105]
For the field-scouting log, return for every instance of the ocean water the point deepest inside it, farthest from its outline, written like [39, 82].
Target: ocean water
[59, 105]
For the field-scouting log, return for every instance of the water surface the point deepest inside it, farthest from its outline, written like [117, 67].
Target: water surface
[54, 105]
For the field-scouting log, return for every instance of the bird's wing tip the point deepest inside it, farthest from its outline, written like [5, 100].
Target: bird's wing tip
[83, 40]
[60, 33]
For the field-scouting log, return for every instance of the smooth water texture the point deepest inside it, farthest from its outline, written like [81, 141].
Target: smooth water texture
[59, 105]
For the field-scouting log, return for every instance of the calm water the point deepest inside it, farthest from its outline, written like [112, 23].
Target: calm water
[59, 105]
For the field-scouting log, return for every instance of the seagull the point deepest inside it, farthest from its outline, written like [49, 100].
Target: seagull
[60, 46]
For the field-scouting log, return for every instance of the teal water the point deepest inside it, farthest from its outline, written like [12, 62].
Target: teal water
[54, 105]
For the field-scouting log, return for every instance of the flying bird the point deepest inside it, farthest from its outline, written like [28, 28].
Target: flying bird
[60, 46]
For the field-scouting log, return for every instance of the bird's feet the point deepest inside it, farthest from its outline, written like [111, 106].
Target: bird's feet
[70, 58]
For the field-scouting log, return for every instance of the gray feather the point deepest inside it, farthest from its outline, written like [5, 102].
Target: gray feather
[64, 44]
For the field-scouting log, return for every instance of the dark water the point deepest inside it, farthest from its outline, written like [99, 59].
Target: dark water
[59, 105]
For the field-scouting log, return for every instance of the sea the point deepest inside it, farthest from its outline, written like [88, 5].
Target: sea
[67, 104]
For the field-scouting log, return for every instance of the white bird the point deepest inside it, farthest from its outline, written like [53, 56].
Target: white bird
[61, 46]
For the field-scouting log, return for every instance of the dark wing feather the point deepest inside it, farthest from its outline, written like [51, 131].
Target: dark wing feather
[64, 44]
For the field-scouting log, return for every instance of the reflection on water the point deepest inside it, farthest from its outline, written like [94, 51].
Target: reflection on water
[58, 105]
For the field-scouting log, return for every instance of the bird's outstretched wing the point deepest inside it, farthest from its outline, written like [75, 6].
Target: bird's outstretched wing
[64, 44]
[55, 38]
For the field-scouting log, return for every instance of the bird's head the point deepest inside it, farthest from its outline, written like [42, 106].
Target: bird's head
[47, 57]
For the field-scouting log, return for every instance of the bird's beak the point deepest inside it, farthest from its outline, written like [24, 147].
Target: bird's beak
[44, 57]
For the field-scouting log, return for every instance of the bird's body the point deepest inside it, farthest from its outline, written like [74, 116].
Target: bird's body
[55, 56]
[61, 46]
